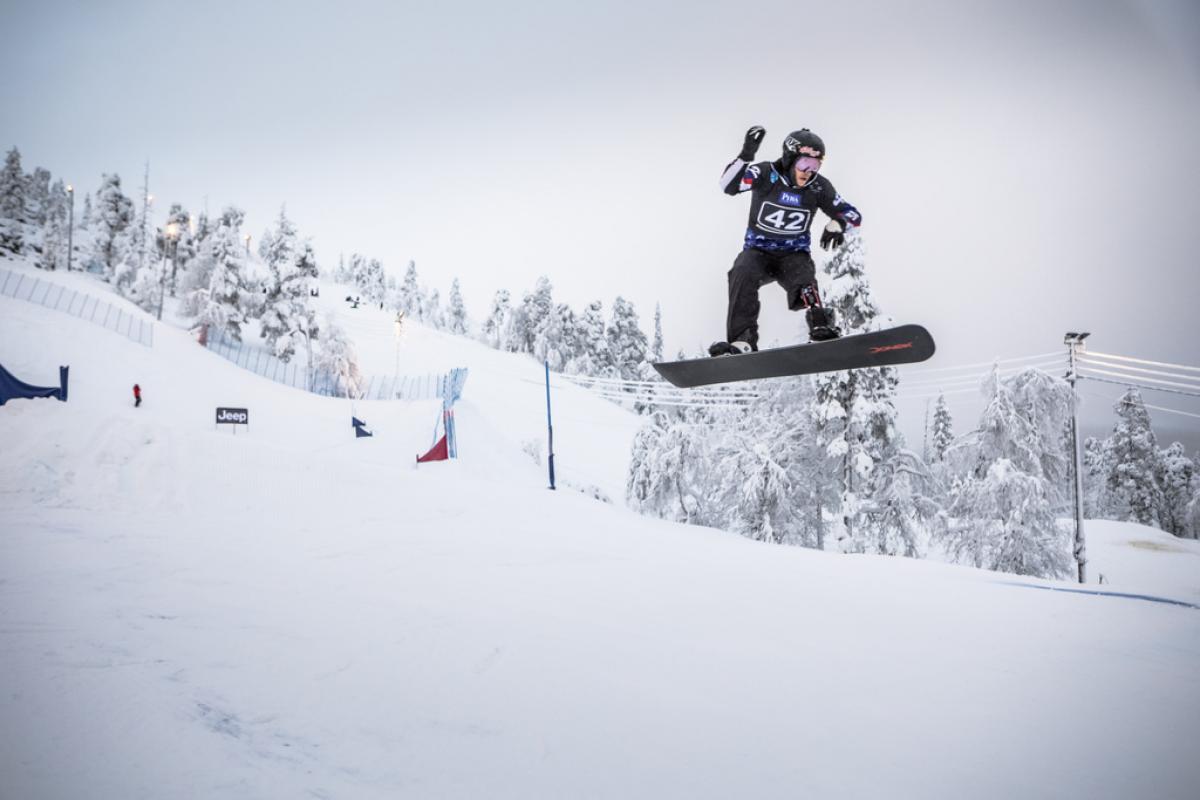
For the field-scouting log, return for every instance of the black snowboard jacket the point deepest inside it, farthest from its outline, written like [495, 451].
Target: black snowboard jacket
[781, 213]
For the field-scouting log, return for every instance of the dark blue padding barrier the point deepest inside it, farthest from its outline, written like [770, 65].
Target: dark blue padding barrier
[11, 388]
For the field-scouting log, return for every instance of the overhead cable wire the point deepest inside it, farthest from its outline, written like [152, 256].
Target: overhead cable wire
[1039, 357]
[611, 383]
[1138, 378]
[1142, 370]
[1121, 401]
[683, 404]
[671, 399]
[1137, 385]
[901, 395]
[692, 394]
[980, 376]
[669, 391]
[1173, 411]
[1140, 361]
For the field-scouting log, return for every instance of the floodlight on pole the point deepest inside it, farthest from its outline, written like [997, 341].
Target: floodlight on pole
[1074, 342]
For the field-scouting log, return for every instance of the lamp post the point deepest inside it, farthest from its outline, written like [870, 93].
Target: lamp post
[1074, 343]
[70, 225]
[247, 244]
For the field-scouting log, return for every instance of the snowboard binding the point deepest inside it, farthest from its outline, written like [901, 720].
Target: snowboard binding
[822, 322]
[730, 348]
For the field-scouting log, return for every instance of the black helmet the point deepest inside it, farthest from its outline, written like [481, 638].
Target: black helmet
[799, 141]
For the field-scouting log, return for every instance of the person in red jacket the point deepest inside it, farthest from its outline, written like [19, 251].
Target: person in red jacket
[137, 395]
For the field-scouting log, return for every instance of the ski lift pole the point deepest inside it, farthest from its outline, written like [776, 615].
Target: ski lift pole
[1074, 342]
[549, 425]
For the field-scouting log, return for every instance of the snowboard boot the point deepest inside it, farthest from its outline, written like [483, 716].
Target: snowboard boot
[730, 348]
[821, 324]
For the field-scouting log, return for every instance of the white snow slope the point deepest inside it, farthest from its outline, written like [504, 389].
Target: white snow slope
[290, 612]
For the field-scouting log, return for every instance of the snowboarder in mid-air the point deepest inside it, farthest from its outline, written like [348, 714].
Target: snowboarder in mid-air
[785, 196]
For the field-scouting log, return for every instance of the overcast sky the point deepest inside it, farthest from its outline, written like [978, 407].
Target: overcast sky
[1023, 168]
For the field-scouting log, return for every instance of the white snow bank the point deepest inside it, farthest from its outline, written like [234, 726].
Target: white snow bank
[292, 612]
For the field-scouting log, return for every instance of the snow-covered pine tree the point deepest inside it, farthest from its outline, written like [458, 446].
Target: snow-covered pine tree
[58, 202]
[335, 365]
[12, 203]
[497, 326]
[905, 510]
[1002, 513]
[292, 271]
[456, 316]
[37, 196]
[1176, 476]
[943, 430]
[555, 340]
[54, 242]
[12, 187]
[435, 315]
[854, 410]
[1133, 454]
[140, 232]
[593, 356]
[532, 314]
[356, 271]
[196, 268]
[53, 235]
[1044, 401]
[656, 346]
[113, 216]
[626, 341]
[222, 302]
[410, 294]
[1004, 523]
[375, 289]
[125, 272]
[764, 472]
[748, 470]
[1097, 501]
[669, 473]
[85, 218]
[179, 247]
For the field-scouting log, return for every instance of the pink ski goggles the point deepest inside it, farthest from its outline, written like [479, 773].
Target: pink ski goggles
[807, 164]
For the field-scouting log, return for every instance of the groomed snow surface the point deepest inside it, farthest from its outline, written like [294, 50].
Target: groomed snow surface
[291, 612]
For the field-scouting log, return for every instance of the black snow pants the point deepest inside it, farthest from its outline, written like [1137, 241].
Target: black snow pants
[753, 269]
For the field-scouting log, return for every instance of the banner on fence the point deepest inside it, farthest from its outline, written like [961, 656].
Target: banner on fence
[12, 388]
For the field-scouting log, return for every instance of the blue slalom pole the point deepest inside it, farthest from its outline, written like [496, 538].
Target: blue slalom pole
[549, 425]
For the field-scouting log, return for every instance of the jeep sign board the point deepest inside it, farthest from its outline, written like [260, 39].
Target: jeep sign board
[233, 416]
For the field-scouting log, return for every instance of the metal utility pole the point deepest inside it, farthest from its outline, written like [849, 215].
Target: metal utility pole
[549, 425]
[1074, 343]
[70, 226]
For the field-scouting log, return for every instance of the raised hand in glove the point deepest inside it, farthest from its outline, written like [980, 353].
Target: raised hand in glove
[833, 235]
[754, 138]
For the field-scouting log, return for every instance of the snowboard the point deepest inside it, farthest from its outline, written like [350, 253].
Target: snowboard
[905, 344]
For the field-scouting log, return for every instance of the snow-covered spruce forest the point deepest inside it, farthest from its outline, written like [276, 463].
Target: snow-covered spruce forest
[812, 462]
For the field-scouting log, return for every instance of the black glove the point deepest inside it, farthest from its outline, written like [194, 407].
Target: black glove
[833, 235]
[754, 138]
